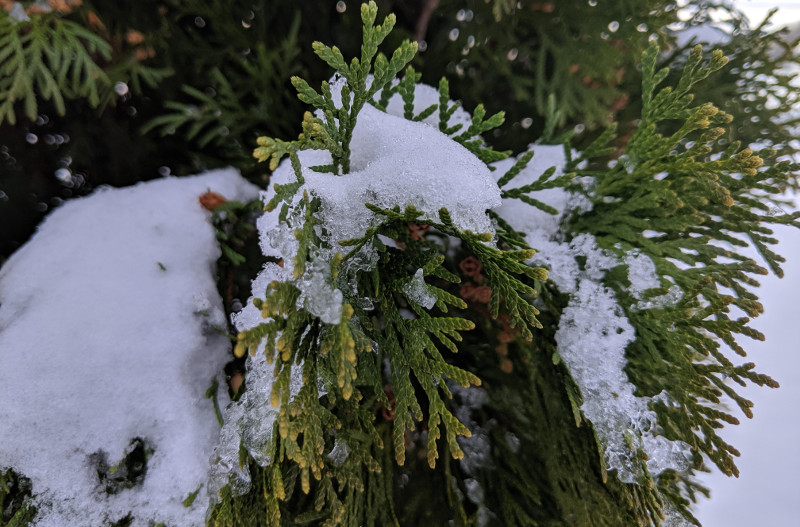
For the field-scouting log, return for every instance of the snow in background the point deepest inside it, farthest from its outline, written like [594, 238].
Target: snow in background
[766, 492]
[107, 333]
[756, 10]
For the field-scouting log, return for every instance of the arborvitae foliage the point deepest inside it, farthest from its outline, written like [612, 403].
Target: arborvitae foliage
[677, 190]
[751, 88]
[360, 489]
[231, 60]
[691, 202]
[15, 490]
[674, 194]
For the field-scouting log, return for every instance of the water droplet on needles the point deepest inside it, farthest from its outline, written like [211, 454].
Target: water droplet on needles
[512, 54]
[121, 88]
[64, 175]
[454, 34]
[32, 138]
[341, 7]
[613, 26]
[592, 3]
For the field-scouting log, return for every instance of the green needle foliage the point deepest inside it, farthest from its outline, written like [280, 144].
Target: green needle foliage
[335, 131]
[51, 57]
[342, 354]
[692, 204]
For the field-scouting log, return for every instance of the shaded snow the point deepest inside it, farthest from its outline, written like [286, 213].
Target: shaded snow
[107, 320]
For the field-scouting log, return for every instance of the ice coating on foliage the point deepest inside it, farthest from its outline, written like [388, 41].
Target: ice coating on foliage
[593, 331]
[108, 322]
[417, 291]
[249, 421]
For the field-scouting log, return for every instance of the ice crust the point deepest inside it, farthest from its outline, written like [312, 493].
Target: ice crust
[107, 320]
[593, 331]
[249, 421]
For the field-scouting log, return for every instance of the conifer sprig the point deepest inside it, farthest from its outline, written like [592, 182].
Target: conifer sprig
[49, 56]
[687, 203]
[335, 128]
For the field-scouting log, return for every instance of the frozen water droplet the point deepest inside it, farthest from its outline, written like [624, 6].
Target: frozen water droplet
[121, 88]
[32, 138]
[164, 171]
[512, 54]
[341, 7]
[453, 34]
[641, 28]
[422, 45]
[64, 175]
[246, 24]
[592, 3]
[461, 15]
[613, 26]
[199, 22]
[527, 122]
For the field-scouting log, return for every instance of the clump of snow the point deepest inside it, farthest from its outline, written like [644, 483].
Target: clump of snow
[107, 333]
[641, 273]
[642, 276]
[593, 331]
[425, 96]
[394, 162]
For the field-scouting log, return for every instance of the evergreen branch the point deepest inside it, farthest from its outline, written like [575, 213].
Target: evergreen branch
[50, 56]
[680, 205]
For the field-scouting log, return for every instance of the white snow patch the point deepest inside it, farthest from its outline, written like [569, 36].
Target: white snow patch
[593, 331]
[107, 320]
[394, 162]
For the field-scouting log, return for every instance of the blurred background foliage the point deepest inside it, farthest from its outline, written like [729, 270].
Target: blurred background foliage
[181, 86]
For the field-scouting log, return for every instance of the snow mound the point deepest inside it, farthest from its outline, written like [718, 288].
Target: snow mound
[394, 162]
[107, 334]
